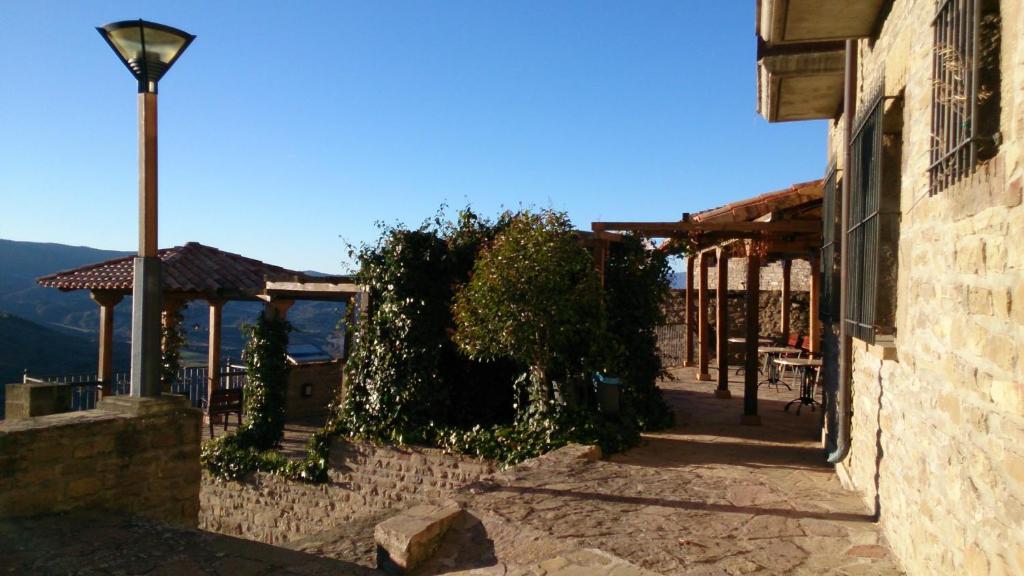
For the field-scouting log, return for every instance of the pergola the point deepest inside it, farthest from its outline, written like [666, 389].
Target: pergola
[778, 226]
[198, 272]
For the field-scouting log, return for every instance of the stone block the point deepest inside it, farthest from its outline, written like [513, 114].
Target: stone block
[1009, 396]
[405, 541]
[33, 399]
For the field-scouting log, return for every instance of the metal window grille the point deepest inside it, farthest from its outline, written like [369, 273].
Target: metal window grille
[829, 311]
[964, 43]
[862, 232]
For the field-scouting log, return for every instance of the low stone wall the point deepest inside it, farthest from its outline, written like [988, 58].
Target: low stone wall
[365, 479]
[133, 455]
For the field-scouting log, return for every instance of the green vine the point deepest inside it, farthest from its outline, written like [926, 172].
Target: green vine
[251, 448]
[172, 340]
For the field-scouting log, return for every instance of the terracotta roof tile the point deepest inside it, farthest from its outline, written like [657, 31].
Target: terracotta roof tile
[192, 268]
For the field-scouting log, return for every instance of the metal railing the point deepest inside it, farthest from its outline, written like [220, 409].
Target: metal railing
[191, 382]
[965, 88]
[670, 344]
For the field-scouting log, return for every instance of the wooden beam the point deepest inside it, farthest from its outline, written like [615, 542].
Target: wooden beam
[750, 415]
[107, 300]
[722, 325]
[668, 229]
[702, 321]
[784, 313]
[213, 350]
[688, 324]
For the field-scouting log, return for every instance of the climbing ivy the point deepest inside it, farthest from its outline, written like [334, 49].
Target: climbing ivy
[251, 448]
[636, 286]
[172, 340]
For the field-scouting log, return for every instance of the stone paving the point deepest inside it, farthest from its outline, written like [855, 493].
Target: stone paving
[106, 543]
[709, 496]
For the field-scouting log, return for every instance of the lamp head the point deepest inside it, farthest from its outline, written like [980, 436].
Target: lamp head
[146, 48]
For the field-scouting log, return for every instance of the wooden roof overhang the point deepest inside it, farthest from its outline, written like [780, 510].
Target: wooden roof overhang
[782, 224]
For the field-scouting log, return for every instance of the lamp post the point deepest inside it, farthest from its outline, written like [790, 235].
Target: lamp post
[148, 50]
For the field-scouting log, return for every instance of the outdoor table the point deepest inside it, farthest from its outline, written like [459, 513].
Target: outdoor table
[771, 353]
[761, 340]
[806, 384]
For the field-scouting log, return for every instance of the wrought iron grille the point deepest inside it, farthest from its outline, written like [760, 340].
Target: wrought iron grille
[964, 79]
[862, 234]
[829, 311]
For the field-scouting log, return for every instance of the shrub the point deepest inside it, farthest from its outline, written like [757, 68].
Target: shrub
[534, 298]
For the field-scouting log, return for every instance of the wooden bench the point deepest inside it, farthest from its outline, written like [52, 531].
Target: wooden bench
[224, 402]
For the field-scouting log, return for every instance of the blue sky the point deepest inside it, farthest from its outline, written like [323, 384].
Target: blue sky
[288, 129]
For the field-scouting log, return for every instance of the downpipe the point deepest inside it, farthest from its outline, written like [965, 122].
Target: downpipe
[845, 393]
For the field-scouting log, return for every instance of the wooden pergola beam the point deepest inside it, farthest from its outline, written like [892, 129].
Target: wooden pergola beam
[669, 229]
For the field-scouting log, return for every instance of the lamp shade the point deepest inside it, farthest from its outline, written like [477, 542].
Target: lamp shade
[146, 48]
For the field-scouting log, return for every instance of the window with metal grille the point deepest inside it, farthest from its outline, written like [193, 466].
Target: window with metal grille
[829, 311]
[965, 88]
[872, 232]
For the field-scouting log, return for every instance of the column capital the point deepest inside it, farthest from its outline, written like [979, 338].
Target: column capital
[106, 297]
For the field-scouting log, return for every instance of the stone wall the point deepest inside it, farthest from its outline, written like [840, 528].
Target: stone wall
[938, 417]
[125, 457]
[365, 480]
[323, 380]
[771, 275]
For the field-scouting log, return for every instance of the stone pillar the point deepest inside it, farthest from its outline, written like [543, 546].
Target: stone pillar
[784, 313]
[688, 330]
[722, 325]
[702, 321]
[750, 415]
[813, 322]
[105, 369]
[213, 349]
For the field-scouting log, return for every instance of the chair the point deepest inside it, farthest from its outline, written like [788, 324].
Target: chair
[224, 401]
[796, 342]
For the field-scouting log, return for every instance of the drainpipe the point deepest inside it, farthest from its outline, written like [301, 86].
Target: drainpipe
[844, 393]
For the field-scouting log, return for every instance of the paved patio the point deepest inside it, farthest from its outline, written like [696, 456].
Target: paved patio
[709, 496]
[106, 543]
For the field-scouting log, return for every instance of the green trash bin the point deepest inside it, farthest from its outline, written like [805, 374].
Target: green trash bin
[609, 393]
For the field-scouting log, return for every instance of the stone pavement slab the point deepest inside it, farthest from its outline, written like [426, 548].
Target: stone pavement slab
[710, 496]
[107, 543]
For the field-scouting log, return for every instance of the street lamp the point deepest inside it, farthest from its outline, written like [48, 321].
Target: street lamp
[148, 50]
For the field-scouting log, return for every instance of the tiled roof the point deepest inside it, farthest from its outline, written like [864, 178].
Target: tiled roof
[192, 268]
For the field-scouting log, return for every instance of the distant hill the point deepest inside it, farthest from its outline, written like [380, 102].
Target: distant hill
[44, 352]
[75, 314]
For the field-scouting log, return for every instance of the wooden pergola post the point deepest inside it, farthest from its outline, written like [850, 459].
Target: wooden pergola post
[750, 415]
[813, 322]
[107, 300]
[702, 321]
[277, 308]
[213, 349]
[784, 313]
[688, 330]
[722, 325]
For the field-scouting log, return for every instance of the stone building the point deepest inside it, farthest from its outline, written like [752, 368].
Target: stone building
[924, 278]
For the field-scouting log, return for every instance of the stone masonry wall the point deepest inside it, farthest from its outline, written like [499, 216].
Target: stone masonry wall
[324, 379]
[938, 418]
[142, 464]
[771, 275]
[365, 480]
